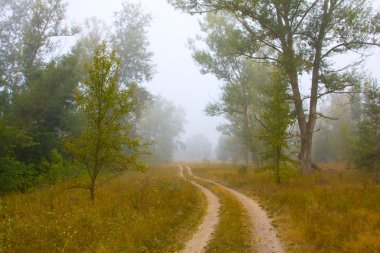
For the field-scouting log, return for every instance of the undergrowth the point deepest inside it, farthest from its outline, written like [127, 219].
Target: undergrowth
[335, 211]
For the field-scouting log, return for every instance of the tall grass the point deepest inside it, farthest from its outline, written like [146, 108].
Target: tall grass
[336, 211]
[150, 212]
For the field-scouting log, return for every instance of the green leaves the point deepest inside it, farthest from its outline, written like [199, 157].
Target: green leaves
[368, 145]
[275, 120]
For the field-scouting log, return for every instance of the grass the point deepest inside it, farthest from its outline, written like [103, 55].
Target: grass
[233, 233]
[151, 212]
[335, 211]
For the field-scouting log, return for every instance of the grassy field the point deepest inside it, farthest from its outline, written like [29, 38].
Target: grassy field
[335, 211]
[151, 212]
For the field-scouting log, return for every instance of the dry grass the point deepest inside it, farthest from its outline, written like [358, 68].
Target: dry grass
[335, 211]
[150, 212]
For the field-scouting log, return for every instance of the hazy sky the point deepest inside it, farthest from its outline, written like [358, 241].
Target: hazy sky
[178, 78]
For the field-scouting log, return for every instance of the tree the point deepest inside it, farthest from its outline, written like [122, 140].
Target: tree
[46, 110]
[301, 36]
[162, 124]
[130, 41]
[276, 119]
[367, 150]
[128, 37]
[335, 138]
[197, 148]
[242, 78]
[93, 33]
[230, 149]
[105, 105]
[29, 29]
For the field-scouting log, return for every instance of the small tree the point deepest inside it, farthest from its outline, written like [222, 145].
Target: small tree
[275, 119]
[106, 105]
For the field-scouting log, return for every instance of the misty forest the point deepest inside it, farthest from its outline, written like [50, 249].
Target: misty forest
[93, 160]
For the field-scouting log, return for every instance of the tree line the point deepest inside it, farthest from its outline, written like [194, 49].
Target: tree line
[80, 112]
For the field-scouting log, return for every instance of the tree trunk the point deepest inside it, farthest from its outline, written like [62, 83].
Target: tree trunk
[278, 158]
[306, 136]
[377, 176]
[92, 192]
[305, 154]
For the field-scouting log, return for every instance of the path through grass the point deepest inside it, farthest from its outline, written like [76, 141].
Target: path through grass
[325, 212]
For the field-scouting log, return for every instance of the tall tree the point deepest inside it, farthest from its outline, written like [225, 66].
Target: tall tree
[29, 29]
[130, 41]
[46, 110]
[301, 36]
[105, 105]
[242, 79]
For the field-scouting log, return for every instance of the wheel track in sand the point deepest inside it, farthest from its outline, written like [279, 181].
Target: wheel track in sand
[264, 235]
[204, 233]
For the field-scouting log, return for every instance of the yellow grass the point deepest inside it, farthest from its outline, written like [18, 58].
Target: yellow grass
[151, 212]
[336, 211]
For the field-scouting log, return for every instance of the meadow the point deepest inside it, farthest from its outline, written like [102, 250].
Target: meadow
[329, 211]
[138, 212]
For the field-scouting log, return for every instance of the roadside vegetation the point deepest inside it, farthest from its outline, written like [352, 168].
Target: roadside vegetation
[138, 212]
[328, 211]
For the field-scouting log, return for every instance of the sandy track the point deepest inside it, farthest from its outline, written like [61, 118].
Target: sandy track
[265, 236]
[201, 238]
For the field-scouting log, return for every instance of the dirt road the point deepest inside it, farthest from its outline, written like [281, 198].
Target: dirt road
[200, 239]
[265, 236]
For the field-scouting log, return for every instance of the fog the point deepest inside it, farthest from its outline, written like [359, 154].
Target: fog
[178, 78]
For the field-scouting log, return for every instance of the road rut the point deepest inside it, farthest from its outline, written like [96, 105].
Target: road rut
[265, 236]
[201, 238]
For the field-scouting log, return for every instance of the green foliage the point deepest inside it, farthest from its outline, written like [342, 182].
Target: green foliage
[14, 175]
[46, 109]
[105, 105]
[275, 120]
[240, 103]
[54, 169]
[368, 144]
